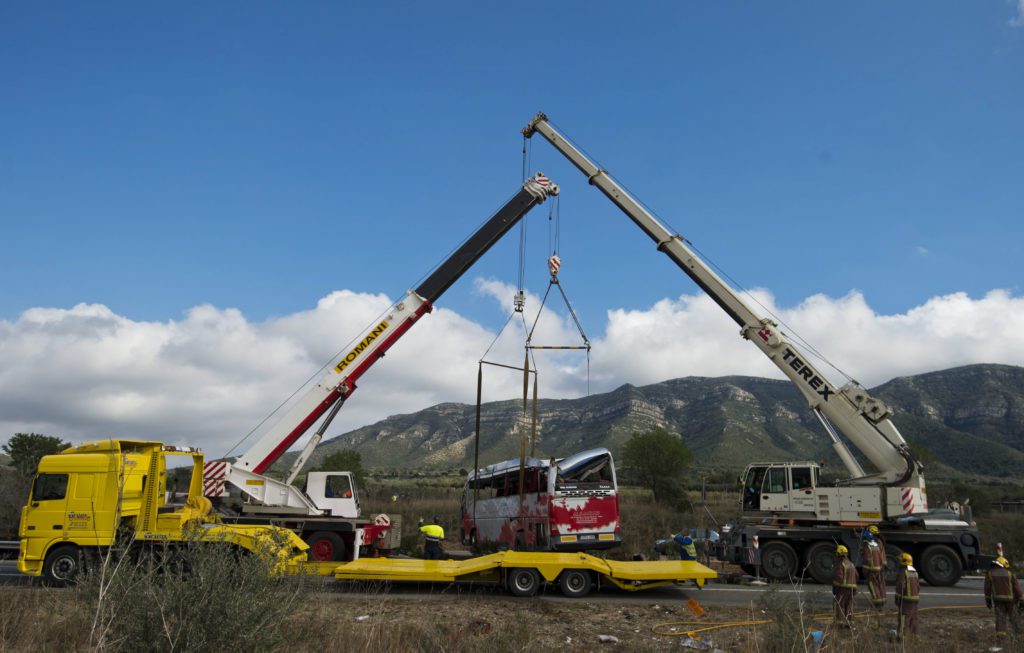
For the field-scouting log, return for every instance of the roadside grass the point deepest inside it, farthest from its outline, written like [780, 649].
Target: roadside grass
[46, 620]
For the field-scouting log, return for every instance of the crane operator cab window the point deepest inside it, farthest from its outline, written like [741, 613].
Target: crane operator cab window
[752, 488]
[337, 486]
[333, 493]
[801, 496]
[775, 490]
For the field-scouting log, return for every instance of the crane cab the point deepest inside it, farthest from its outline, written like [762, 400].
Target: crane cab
[334, 493]
[779, 488]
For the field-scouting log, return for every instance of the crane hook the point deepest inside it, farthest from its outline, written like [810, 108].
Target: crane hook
[554, 263]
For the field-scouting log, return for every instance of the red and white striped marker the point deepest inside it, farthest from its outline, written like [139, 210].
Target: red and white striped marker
[907, 497]
[554, 265]
[214, 475]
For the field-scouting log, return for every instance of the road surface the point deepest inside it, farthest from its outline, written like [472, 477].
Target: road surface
[967, 592]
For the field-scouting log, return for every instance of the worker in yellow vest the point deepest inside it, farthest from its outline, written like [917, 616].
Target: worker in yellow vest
[908, 595]
[687, 548]
[433, 535]
[844, 584]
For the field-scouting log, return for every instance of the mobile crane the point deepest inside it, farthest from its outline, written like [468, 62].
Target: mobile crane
[326, 515]
[788, 520]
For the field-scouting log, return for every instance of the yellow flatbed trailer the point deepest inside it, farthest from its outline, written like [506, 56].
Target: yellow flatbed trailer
[522, 572]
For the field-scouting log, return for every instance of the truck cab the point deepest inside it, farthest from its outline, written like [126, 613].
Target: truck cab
[87, 499]
[780, 487]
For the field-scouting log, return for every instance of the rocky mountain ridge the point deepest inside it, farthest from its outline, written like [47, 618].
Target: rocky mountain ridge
[967, 419]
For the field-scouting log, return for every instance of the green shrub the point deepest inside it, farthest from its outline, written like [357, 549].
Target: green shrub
[196, 596]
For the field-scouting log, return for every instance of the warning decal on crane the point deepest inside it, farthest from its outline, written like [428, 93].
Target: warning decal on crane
[363, 344]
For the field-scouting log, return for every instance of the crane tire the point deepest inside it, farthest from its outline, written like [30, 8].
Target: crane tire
[779, 561]
[940, 566]
[325, 546]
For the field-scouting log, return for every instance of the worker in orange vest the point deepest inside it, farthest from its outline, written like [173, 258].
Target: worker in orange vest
[844, 584]
[908, 594]
[1002, 592]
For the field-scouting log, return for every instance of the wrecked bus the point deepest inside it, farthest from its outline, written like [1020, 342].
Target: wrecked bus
[567, 504]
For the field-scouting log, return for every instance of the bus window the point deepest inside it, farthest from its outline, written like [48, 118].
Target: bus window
[512, 485]
[596, 469]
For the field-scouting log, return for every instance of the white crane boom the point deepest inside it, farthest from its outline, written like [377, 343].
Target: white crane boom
[862, 418]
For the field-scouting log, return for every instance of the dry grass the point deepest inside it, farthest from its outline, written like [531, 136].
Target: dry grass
[464, 621]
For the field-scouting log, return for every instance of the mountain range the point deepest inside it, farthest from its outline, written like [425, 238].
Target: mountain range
[965, 420]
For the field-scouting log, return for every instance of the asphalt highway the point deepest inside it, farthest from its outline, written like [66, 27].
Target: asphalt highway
[818, 597]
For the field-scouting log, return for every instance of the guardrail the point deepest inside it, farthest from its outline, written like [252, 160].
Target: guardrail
[9, 550]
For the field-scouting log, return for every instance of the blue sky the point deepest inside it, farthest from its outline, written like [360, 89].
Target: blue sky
[261, 155]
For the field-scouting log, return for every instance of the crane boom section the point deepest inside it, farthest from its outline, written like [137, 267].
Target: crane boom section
[340, 381]
[861, 417]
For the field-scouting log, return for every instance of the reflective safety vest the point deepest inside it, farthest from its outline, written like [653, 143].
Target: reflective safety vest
[871, 557]
[908, 586]
[1001, 586]
[433, 532]
[688, 549]
[846, 574]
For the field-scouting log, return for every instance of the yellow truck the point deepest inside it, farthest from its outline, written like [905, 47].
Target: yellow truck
[114, 493]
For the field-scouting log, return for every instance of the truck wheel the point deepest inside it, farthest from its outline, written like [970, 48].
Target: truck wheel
[523, 582]
[892, 562]
[778, 561]
[820, 561]
[63, 565]
[941, 566]
[575, 583]
[325, 546]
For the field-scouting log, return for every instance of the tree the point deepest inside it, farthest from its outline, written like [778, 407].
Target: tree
[13, 495]
[924, 455]
[346, 460]
[657, 460]
[25, 450]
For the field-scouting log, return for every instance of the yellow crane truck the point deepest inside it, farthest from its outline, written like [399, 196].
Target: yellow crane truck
[113, 493]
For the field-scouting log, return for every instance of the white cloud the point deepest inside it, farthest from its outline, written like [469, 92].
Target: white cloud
[1018, 20]
[86, 372]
